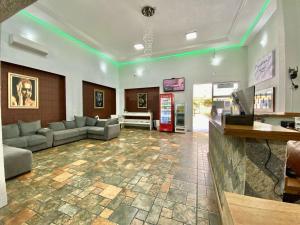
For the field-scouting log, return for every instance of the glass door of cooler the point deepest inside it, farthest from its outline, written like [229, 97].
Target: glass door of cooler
[166, 110]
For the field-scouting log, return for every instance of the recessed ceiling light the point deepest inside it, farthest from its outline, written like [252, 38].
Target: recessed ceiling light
[139, 46]
[191, 36]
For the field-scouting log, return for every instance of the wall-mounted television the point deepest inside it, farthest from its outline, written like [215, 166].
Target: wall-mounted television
[174, 84]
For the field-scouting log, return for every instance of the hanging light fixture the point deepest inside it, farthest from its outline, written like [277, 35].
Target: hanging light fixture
[148, 38]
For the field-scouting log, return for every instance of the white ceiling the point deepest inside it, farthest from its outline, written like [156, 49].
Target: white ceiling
[114, 26]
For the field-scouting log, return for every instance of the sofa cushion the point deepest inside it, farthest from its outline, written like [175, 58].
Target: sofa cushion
[82, 130]
[29, 128]
[57, 126]
[10, 131]
[36, 140]
[91, 121]
[65, 134]
[19, 142]
[96, 130]
[102, 123]
[70, 124]
[80, 121]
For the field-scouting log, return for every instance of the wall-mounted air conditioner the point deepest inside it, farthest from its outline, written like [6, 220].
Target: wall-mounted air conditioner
[24, 43]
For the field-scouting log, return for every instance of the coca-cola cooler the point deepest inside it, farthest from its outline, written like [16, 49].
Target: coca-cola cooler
[167, 112]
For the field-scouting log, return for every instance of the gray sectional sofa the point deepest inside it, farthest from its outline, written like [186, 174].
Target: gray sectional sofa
[21, 139]
[82, 128]
[28, 135]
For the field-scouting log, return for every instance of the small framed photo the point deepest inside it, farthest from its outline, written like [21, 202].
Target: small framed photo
[23, 92]
[142, 100]
[265, 100]
[98, 99]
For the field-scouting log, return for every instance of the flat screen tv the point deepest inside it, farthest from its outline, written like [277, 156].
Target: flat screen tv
[174, 84]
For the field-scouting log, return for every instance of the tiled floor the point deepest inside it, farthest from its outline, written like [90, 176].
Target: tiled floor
[141, 177]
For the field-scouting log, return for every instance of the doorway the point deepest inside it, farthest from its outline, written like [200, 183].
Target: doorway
[202, 103]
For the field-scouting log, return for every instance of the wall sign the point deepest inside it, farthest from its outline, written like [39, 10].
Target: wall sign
[265, 68]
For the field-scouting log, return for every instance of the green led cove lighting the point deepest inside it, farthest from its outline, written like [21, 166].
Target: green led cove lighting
[95, 51]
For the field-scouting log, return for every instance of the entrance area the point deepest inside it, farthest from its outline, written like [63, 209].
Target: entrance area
[206, 95]
[202, 103]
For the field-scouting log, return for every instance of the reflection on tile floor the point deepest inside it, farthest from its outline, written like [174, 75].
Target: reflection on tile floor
[139, 178]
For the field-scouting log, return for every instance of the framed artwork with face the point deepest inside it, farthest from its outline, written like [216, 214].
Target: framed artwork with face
[23, 92]
[98, 99]
[142, 100]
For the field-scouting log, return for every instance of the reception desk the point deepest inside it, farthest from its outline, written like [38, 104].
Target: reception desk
[249, 160]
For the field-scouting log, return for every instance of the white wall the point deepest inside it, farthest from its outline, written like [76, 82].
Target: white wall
[195, 69]
[3, 196]
[291, 13]
[274, 31]
[65, 58]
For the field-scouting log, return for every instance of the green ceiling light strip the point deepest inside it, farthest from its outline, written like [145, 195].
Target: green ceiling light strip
[255, 22]
[63, 34]
[150, 59]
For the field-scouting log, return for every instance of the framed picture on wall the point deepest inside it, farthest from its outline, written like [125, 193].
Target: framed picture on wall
[23, 92]
[98, 99]
[265, 68]
[265, 100]
[142, 100]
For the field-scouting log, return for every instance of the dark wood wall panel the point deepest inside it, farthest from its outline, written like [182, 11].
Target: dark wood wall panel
[88, 100]
[52, 96]
[152, 102]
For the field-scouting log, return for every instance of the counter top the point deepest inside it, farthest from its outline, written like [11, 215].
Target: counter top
[244, 210]
[278, 115]
[258, 131]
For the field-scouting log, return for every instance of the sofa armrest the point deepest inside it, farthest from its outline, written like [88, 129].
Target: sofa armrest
[112, 131]
[48, 133]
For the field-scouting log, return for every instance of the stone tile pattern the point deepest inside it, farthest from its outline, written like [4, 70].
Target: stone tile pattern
[142, 177]
[241, 165]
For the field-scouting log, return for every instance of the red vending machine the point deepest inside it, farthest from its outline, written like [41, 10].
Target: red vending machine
[166, 112]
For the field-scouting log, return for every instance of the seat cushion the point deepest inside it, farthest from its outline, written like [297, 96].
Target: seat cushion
[57, 126]
[96, 130]
[82, 130]
[65, 134]
[10, 131]
[80, 121]
[36, 140]
[19, 142]
[29, 128]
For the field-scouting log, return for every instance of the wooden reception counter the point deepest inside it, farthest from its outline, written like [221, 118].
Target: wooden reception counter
[249, 160]
[244, 210]
[258, 131]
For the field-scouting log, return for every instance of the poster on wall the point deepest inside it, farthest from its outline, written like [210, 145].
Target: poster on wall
[265, 68]
[23, 92]
[98, 99]
[265, 100]
[142, 100]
